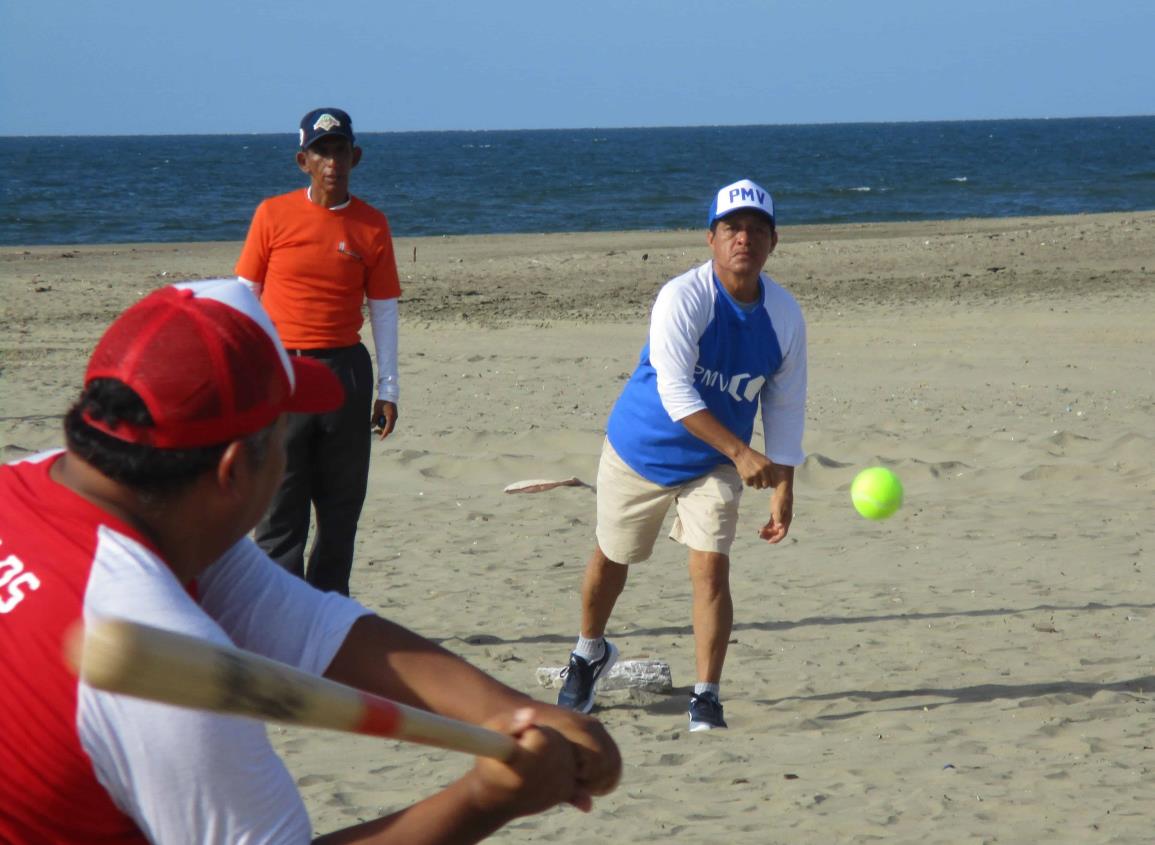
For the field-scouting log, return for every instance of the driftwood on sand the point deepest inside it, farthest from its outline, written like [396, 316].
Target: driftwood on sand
[538, 485]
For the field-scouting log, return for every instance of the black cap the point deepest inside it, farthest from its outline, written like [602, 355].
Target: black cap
[321, 122]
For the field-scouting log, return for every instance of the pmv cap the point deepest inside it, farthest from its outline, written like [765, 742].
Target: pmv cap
[205, 359]
[321, 122]
[739, 196]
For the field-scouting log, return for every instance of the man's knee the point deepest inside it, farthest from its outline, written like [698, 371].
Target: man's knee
[710, 570]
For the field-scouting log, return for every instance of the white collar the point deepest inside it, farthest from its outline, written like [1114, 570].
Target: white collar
[345, 204]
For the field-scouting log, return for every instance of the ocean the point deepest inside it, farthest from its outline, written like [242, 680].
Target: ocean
[110, 189]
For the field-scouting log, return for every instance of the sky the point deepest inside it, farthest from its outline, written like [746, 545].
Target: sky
[128, 67]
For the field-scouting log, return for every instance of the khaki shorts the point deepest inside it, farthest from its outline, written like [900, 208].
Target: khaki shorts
[631, 510]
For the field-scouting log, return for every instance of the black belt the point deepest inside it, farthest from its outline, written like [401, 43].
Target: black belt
[331, 352]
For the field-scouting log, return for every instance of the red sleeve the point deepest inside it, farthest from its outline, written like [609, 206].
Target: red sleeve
[254, 260]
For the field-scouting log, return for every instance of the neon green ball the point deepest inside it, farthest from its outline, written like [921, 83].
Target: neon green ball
[876, 493]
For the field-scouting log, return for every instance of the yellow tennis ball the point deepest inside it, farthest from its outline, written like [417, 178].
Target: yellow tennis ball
[876, 493]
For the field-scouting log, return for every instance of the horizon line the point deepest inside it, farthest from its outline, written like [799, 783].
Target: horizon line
[581, 128]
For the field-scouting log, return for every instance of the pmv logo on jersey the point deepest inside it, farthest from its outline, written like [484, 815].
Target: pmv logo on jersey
[741, 386]
[14, 581]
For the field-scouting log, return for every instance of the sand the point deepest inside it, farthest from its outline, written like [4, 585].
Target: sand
[976, 669]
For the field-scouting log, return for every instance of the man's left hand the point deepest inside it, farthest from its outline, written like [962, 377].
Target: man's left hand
[384, 418]
[781, 514]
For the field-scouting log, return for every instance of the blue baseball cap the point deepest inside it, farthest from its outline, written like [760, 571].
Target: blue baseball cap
[739, 196]
[328, 121]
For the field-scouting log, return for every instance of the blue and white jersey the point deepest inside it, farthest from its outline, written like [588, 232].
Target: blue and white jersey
[707, 351]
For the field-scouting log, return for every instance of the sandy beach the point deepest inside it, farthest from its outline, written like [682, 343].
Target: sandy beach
[976, 669]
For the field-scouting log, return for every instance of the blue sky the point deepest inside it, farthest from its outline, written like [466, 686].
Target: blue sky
[224, 66]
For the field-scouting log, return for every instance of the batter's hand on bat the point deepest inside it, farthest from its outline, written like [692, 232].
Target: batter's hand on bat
[599, 763]
[541, 773]
[384, 418]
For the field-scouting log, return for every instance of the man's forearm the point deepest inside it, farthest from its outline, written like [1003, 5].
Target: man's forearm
[755, 469]
[708, 428]
[382, 657]
[446, 816]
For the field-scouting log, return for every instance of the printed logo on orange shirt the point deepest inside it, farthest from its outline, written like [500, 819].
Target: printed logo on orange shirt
[343, 249]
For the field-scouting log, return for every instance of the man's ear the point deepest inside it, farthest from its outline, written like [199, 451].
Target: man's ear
[356, 156]
[231, 468]
[302, 161]
[773, 239]
[710, 237]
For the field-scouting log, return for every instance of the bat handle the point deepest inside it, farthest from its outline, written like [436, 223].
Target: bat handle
[382, 717]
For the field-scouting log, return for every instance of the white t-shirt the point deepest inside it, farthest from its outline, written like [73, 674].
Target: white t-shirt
[78, 764]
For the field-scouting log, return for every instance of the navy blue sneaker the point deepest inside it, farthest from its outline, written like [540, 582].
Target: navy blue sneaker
[581, 678]
[706, 712]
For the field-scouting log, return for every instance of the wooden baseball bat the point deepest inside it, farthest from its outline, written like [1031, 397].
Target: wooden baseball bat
[145, 662]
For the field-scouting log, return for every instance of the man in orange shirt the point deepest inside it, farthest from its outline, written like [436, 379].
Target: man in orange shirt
[314, 257]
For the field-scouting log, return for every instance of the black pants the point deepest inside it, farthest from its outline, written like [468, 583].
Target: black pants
[327, 469]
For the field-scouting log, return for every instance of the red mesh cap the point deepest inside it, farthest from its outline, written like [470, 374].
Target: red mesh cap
[205, 359]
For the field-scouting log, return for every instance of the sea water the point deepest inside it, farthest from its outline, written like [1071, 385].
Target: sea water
[112, 189]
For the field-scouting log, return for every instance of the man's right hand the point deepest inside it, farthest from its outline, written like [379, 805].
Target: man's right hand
[541, 774]
[599, 763]
[755, 469]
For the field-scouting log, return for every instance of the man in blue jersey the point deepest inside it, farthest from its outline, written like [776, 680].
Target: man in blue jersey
[724, 339]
